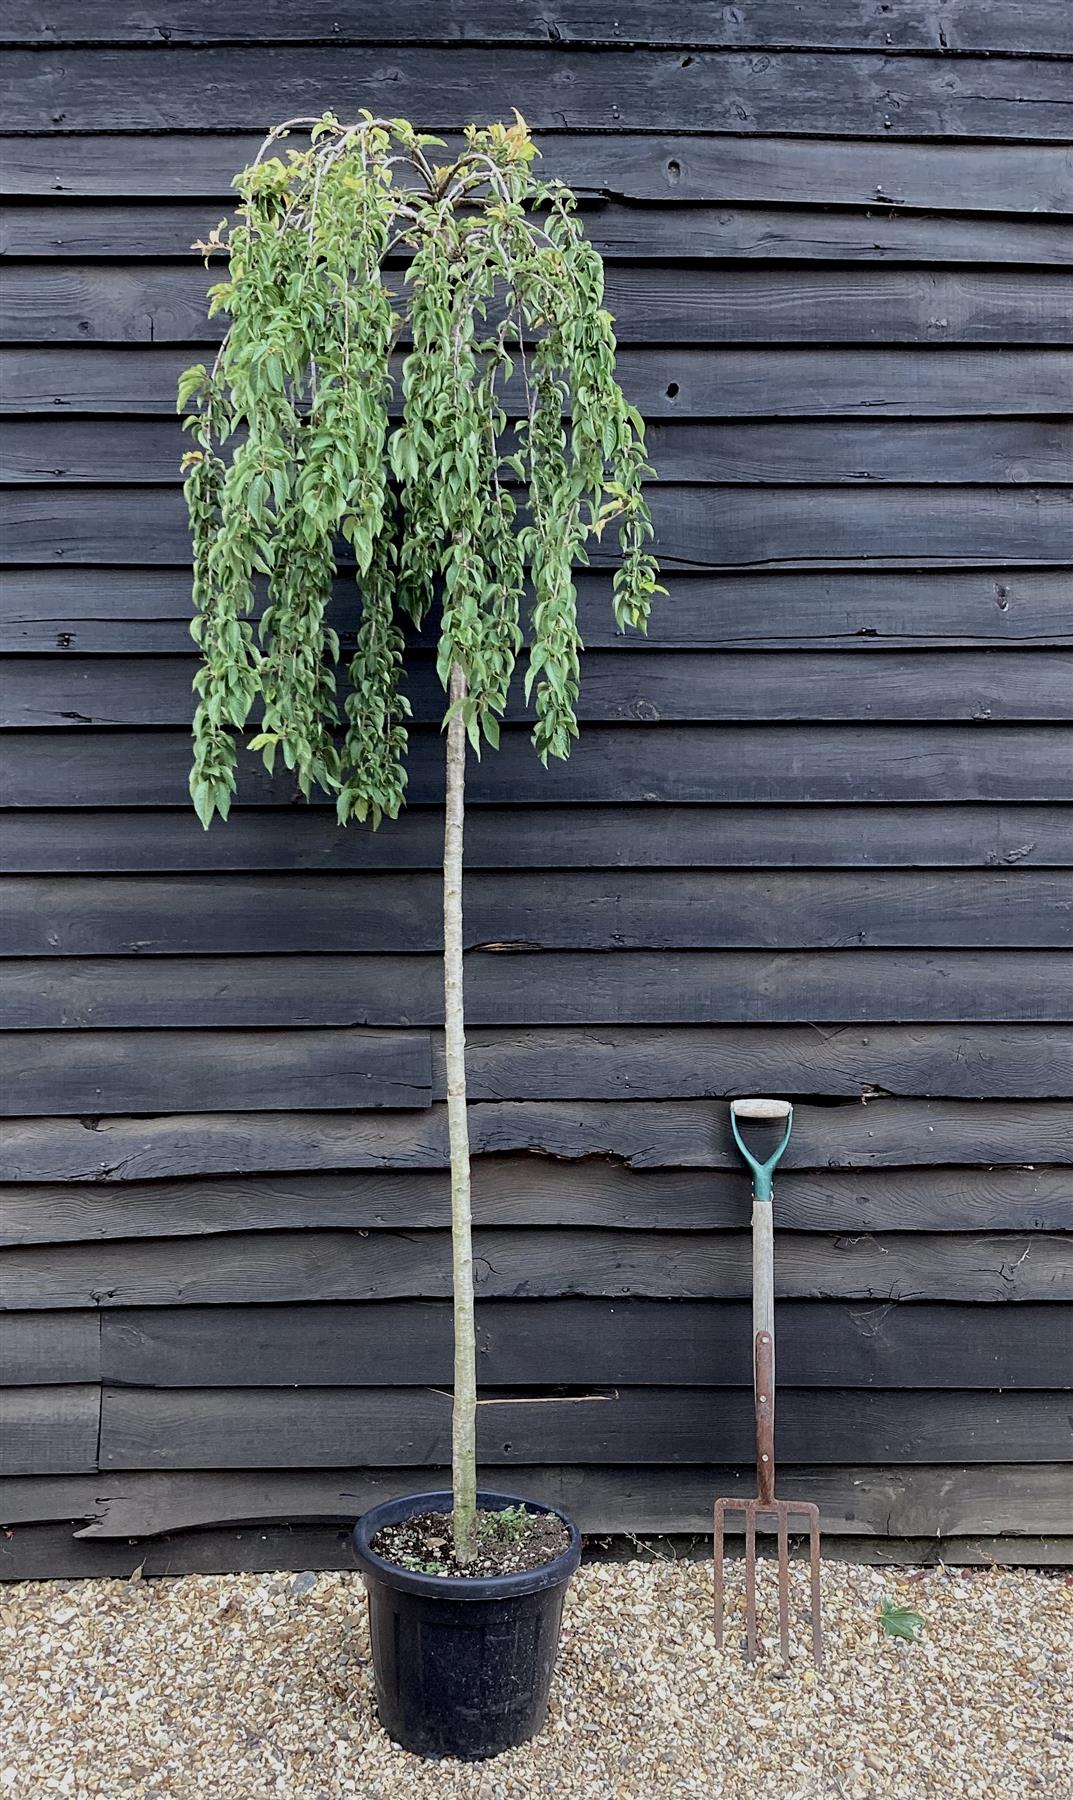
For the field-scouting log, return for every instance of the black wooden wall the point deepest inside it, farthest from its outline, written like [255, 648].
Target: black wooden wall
[815, 839]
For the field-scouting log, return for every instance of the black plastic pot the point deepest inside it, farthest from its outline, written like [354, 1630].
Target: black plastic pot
[462, 1664]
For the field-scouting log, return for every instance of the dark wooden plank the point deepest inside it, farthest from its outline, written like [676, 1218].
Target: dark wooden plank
[547, 837]
[42, 1349]
[48, 1430]
[1009, 1498]
[856, 1500]
[964, 25]
[748, 527]
[535, 1263]
[937, 452]
[101, 303]
[547, 988]
[525, 1343]
[100, 1071]
[47, 450]
[969, 1062]
[1047, 1554]
[209, 1072]
[718, 304]
[87, 915]
[968, 177]
[626, 684]
[833, 172]
[672, 381]
[1018, 452]
[51, 1553]
[757, 764]
[512, 1191]
[696, 1134]
[682, 1134]
[620, 231]
[69, 612]
[717, 527]
[55, 1552]
[241, 1428]
[792, 92]
[940, 174]
[37, 1499]
[509, 1192]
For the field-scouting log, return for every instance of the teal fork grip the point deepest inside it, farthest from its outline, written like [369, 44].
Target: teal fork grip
[762, 1171]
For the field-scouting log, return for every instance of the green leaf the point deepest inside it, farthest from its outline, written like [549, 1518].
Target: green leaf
[204, 801]
[900, 1621]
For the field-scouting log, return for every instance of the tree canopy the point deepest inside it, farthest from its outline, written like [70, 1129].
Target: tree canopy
[482, 276]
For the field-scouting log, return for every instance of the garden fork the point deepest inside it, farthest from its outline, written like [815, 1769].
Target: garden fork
[765, 1506]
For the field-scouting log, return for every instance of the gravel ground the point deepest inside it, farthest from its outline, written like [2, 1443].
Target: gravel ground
[238, 1687]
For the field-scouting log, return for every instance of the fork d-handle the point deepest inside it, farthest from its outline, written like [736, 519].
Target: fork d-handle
[763, 1228]
[761, 1109]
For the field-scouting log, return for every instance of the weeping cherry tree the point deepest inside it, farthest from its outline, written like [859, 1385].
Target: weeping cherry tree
[455, 508]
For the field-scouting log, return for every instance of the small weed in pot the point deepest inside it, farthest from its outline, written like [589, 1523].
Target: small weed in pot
[509, 1542]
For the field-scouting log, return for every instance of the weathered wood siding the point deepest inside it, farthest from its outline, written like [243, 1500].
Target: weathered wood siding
[816, 838]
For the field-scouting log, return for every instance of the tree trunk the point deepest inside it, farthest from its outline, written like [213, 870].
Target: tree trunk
[464, 1418]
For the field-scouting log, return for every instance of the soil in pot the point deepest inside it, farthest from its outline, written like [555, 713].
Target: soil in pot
[509, 1542]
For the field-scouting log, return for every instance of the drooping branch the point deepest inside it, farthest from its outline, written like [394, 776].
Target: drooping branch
[294, 451]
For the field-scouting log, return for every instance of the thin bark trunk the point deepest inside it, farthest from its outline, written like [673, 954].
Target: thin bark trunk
[464, 1418]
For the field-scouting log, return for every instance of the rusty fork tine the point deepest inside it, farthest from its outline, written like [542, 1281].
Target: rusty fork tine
[814, 1583]
[784, 1584]
[750, 1581]
[720, 1526]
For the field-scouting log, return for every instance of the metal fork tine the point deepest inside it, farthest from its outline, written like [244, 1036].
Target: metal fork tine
[814, 1582]
[720, 1524]
[807, 1517]
[784, 1584]
[750, 1582]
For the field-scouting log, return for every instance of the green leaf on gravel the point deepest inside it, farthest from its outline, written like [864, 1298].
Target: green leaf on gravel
[900, 1621]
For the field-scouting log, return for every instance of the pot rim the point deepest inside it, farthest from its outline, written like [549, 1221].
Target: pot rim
[460, 1587]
